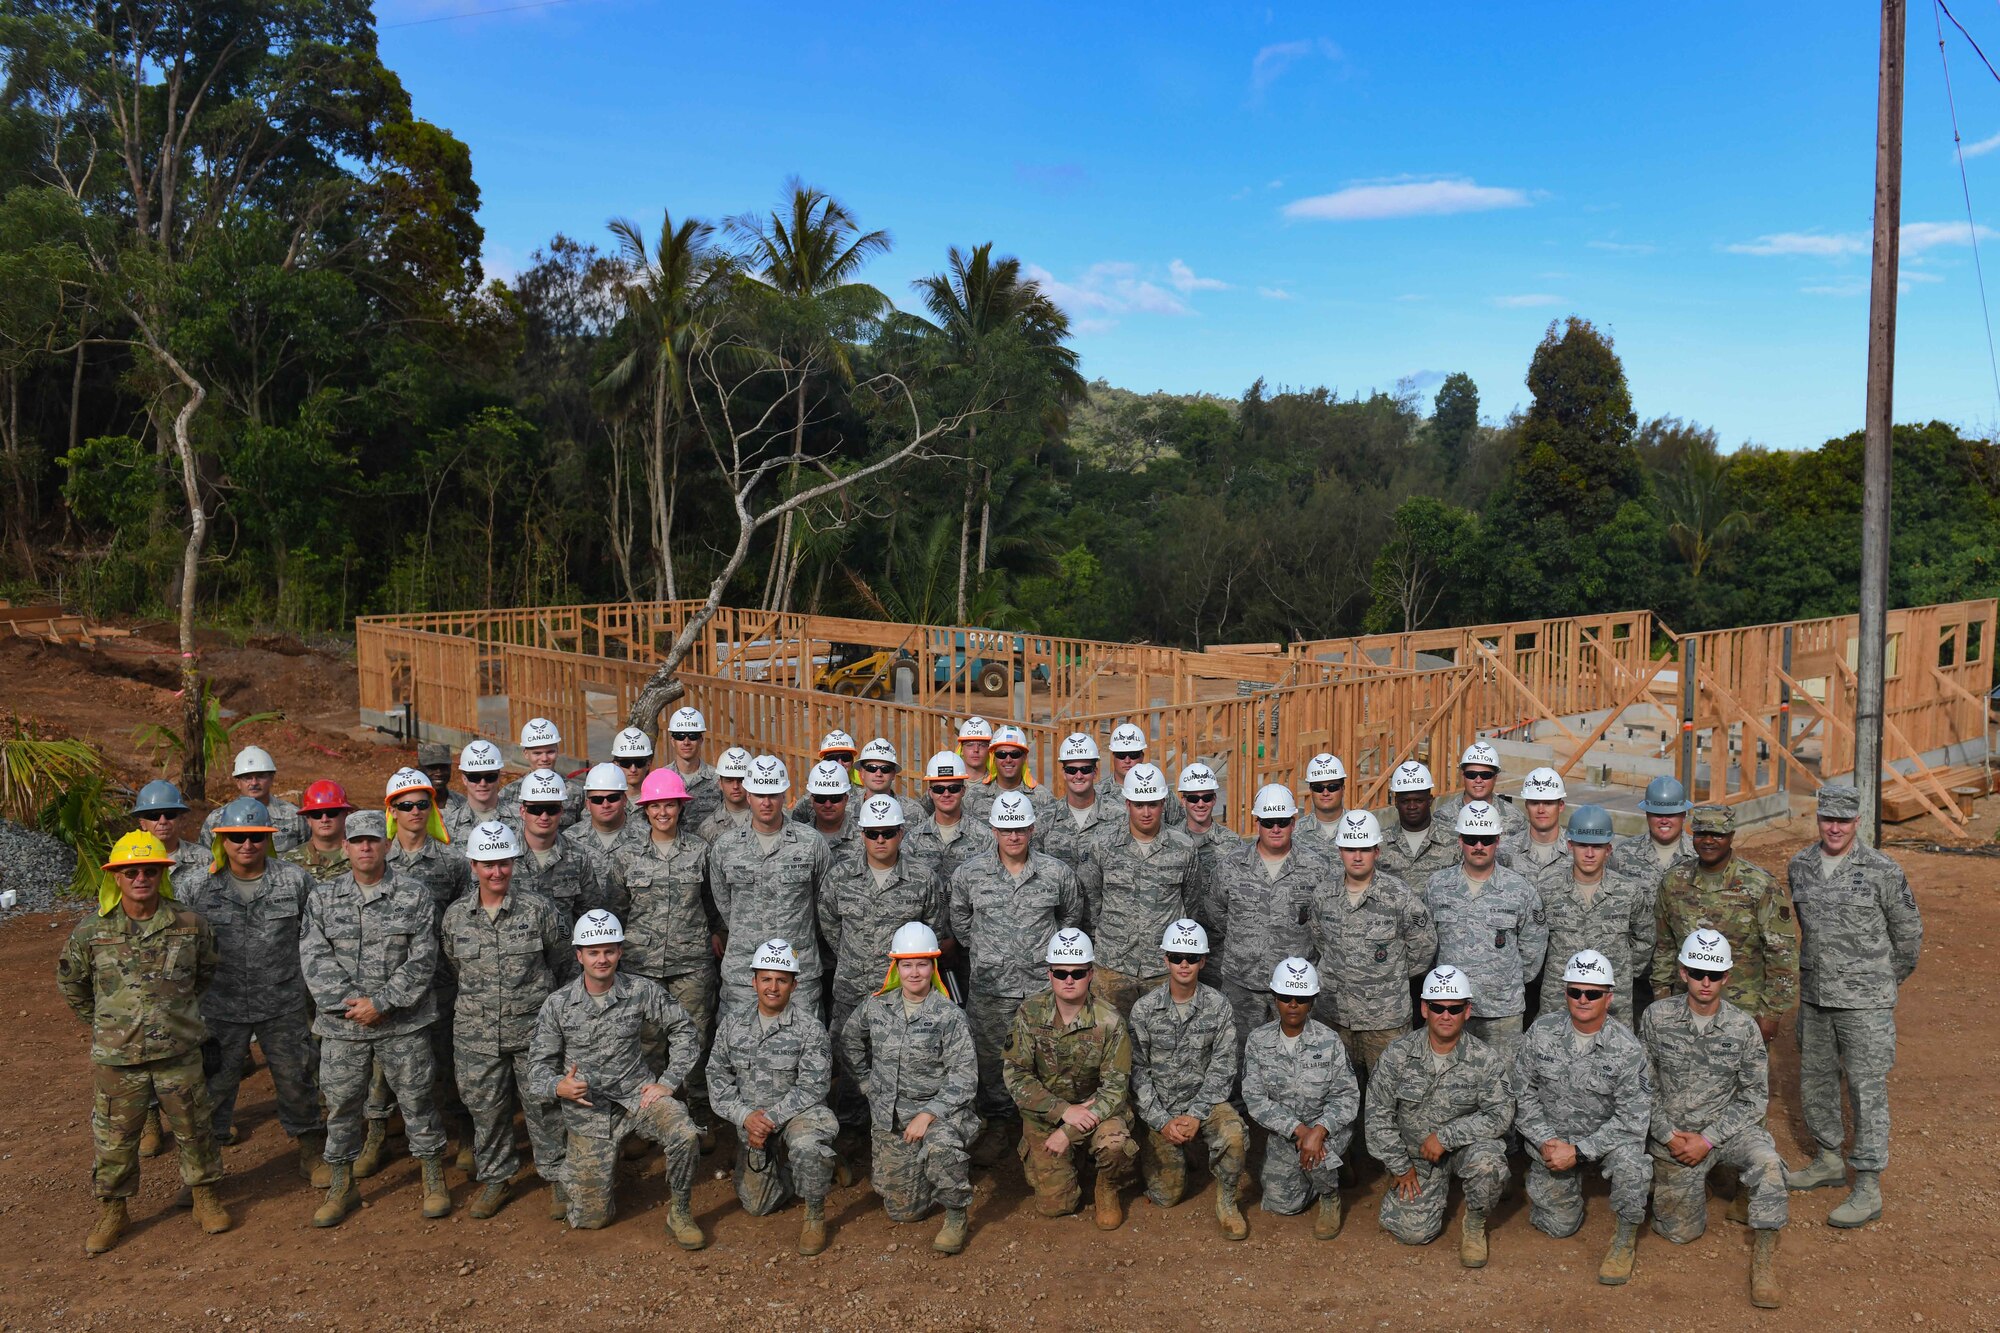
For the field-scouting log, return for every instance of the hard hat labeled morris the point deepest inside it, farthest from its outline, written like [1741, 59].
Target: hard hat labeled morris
[975, 728]
[160, 797]
[1412, 776]
[1479, 755]
[828, 778]
[914, 939]
[944, 766]
[1077, 748]
[1198, 777]
[686, 720]
[1326, 768]
[767, 777]
[1447, 983]
[138, 849]
[1010, 738]
[733, 763]
[481, 757]
[775, 956]
[407, 780]
[1358, 828]
[1707, 951]
[1543, 784]
[492, 841]
[1011, 810]
[1590, 825]
[1145, 782]
[1588, 967]
[253, 759]
[539, 733]
[879, 751]
[631, 743]
[1295, 977]
[1275, 801]
[604, 777]
[1184, 936]
[324, 795]
[835, 742]
[881, 812]
[543, 786]
[1127, 739]
[1069, 947]
[1478, 819]
[1665, 796]
[662, 784]
[597, 926]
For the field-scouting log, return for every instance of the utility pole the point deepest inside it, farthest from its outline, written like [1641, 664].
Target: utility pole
[1874, 619]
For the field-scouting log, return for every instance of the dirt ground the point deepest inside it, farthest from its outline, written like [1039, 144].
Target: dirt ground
[1929, 1262]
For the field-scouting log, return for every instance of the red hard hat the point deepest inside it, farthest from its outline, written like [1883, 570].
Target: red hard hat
[325, 795]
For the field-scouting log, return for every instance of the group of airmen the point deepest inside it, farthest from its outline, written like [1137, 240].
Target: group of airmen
[1092, 973]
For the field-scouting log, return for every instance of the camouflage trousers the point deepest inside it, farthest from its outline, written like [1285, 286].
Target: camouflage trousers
[850, 1104]
[1252, 1010]
[1680, 1193]
[991, 1018]
[695, 992]
[796, 1159]
[1365, 1046]
[912, 1178]
[493, 1085]
[444, 1093]
[1053, 1177]
[1121, 990]
[288, 1046]
[1555, 1198]
[1481, 1168]
[589, 1169]
[1860, 1043]
[1504, 1035]
[344, 1071]
[1288, 1187]
[120, 1098]
[1163, 1165]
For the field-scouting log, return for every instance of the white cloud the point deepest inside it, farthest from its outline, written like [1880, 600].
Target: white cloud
[1622, 247]
[1526, 300]
[1368, 201]
[1982, 148]
[1274, 293]
[1819, 245]
[1918, 237]
[1105, 291]
[1184, 279]
[1272, 61]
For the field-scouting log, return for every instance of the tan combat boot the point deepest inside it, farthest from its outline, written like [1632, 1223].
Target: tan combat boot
[209, 1214]
[110, 1226]
[1110, 1211]
[1616, 1270]
[1472, 1240]
[1764, 1291]
[342, 1196]
[812, 1233]
[1863, 1203]
[1227, 1215]
[465, 1162]
[374, 1150]
[558, 1203]
[152, 1142]
[951, 1236]
[437, 1194]
[312, 1162]
[682, 1227]
[492, 1197]
[1327, 1225]
[1824, 1170]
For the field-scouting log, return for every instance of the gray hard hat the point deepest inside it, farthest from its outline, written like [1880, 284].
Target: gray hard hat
[1590, 823]
[1666, 796]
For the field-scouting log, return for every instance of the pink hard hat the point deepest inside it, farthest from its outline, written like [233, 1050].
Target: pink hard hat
[662, 784]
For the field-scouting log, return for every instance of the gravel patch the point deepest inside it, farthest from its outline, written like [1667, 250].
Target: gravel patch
[36, 867]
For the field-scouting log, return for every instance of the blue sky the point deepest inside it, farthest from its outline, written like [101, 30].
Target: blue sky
[1330, 194]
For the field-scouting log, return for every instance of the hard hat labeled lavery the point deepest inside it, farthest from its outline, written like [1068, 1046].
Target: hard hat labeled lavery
[881, 812]
[1478, 819]
[1707, 951]
[631, 743]
[1069, 947]
[1588, 967]
[1447, 983]
[1358, 828]
[1145, 782]
[1412, 776]
[539, 733]
[597, 926]
[1184, 936]
[767, 777]
[1295, 977]
[253, 759]
[1543, 784]
[775, 956]
[828, 778]
[480, 757]
[492, 841]
[1275, 801]
[1325, 767]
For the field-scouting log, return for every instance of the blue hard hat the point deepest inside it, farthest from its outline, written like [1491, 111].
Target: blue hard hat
[245, 814]
[1666, 796]
[159, 797]
[1590, 824]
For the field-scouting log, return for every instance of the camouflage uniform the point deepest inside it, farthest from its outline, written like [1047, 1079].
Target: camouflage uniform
[1130, 897]
[1253, 921]
[1466, 1103]
[1715, 1083]
[137, 985]
[769, 897]
[1521, 852]
[911, 1065]
[628, 835]
[1498, 939]
[1438, 849]
[670, 922]
[258, 989]
[190, 858]
[1860, 934]
[1004, 925]
[1633, 855]
[1753, 914]
[704, 795]
[979, 798]
[448, 876]
[380, 942]
[573, 803]
[285, 818]
[783, 1070]
[576, 879]
[1210, 847]
[1445, 812]
[505, 963]
[720, 821]
[925, 843]
[1616, 920]
[1050, 1066]
[460, 820]
[1599, 1099]
[857, 919]
[601, 1036]
[1311, 1083]
[322, 866]
[1368, 951]
[1184, 1063]
[1058, 834]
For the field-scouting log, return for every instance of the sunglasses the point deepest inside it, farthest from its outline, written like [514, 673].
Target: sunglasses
[1697, 974]
[881, 834]
[948, 788]
[683, 735]
[633, 763]
[546, 810]
[1290, 999]
[1478, 839]
[829, 800]
[1197, 797]
[1183, 959]
[1005, 752]
[1587, 993]
[613, 799]
[1274, 823]
[1069, 973]
[1442, 1007]
[234, 836]
[1478, 774]
[878, 768]
[310, 814]
[1078, 770]
[1327, 786]
[478, 779]
[410, 805]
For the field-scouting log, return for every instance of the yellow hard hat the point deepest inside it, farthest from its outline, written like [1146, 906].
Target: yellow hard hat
[138, 849]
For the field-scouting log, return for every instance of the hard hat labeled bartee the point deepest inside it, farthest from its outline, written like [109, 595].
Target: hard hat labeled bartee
[1590, 825]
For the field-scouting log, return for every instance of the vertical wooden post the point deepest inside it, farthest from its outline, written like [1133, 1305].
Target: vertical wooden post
[1687, 714]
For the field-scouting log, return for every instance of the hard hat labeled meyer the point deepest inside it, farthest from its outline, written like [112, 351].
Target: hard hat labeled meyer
[775, 956]
[604, 777]
[597, 926]
[1590, 825]
[1707, 951]
[828, 778]
[253, 759]
[1412, 776]
[1447, 983]
[1477, 819]
[1358, 829]
[662, 784]
[1127, 739]
[481, 757]
[1326, 768]
[160, 797]
[767, 777]
[631, 743]
[1144, 783]
[1588, 967]
[1295, 978]
[1543, 784]
[492, 841]
[542, 787]
[1198, 777]
[1077, 748]
[407, 780]
[1069, 947]
[687, 720]
[1011, 810]
[1184, 936]
[881, 812]
[539, 734]
[1275, 801]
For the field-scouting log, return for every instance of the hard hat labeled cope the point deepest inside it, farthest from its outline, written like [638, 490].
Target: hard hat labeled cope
[492, 841]
[662, 784]
[1477, 819]
[1127, 739]
[1145, 782]
[1543, 784]
[631, 743]
[1447, 983]
[1198, 777]
[1412, 776]
[914, 939]
[686, 720]
[733, 763]
[1588, 967]
[1184, 936]
[604, 777]
[1479, 755]
[1011, 810]
[1077, 748]
[539, 734]
[975, 728]
[597, 926]
[1707, 951]
[881, 812]
[1358, 828]
[1326, 768]
[253, 759]
[480, 757]
[767, 777]
[944, 766]
[828, 778]
[879, 751]
[1069, 947]
[775, 956]
[1295, 978]
[1275, 801]
[543, 786]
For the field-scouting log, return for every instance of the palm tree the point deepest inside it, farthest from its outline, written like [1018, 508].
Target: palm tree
[1696, 501]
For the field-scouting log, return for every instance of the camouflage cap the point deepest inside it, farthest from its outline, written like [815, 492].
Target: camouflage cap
[1837, 800]
[1713, 819]
[431, 753]
[367, 824]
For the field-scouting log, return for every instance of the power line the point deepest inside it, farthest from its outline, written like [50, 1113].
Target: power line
[508, 9]
[1936, 5]
[1965, 187]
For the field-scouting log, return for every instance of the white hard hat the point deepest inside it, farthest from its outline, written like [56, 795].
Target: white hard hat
[775, 956]
[687, 719]
[1010, 735]
[1275, 801]
[767, 777]
[597, 926]
[1296, 977]
[914, 939]
[254, 759]
[1707, 951]
[881, 752]
[481, 757]
[538, 733]
[1326, 768]
[1198, 777]
[1358, 828]
[1011, 810]
[407, 779]
[944, 766]
[492, 841]
[631, 743]
[1070, 946]
[1412, 776]
[604, 777]
[733, 763]
[836, 740]
[546, 784]
[1479, 819]
[828, 778]
[1447, 983]
[1480, 753]
[1543, 784]
[1589, 967]
[1145, 782]
[1076, 748]
[1127, 738]
[975, 728]
[1184, 936]
[881, 811]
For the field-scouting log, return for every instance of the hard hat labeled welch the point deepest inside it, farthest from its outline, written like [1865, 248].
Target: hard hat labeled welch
[1358, 829]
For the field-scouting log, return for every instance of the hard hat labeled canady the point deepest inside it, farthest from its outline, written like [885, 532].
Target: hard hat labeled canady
[1295, 977]
[597, 926]
[944, 766]
[1275, 801]
[1010, 738]
[543, 786]
[1184, 936]
[1665, 796]
[1543, 784]
[1707, 951]
[881, 812]
[835, 742]
[604, 777]
[1479, 755]
[1077, 748]
[1590, 825]
[160, 797]
[828, 778]
[539, 733]
[733, 763]
[245, 814]
[662, 784]
[138, 849]
[631, 743]
[1358, 828]
[1011, 810]
[1069, 947]
[975, 728]
[480, 757]
[685, 720]
[1198, 777]
[1145, 782]
[324, 795]
[914, 939]
[775, 956]
[767, 777]
[1127, 739]
[1325, 767]
[879, 751]
[253, 759]
[1477, 819]
[1412, 776]
[1588, 967]
[1447, 983]
[407, 780]
[492, 841]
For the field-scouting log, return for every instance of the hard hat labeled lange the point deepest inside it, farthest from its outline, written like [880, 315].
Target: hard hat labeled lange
[1184, 936]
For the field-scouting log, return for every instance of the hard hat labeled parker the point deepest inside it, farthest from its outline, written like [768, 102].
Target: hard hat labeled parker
[1295, 978]
[828, 778]
[597, 926]
[1590, 825]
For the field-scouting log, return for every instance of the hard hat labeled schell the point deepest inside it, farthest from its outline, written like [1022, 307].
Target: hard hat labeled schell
[597, 926]
[1069, 948]
[1295, 978]
[775, 956]
[1447, 983]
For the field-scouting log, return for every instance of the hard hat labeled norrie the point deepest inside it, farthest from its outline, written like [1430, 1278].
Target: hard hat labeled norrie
[1479, 755]
[1127, 739]
[492, 841]
[253, 759]
[1477, 819]
[1069, 947]
[604, 777]
[542, 787]
[1011, 810]
[1198, 777]
[687, 720]
[775, 956]
[539, 734]
[597, 926]
[1590, 968]
[1275, 801]
[1447, 983]
[1295, 978]
[1145, 782]
[1326, 768]
[631, 743]
[733, 763]
[1358, 828]
[1077, 748]
[1543, 784]
[1707, 951]
[1412, 776]
[828, 778]
[879, 751]
[914, 939]
[881, 812]
[767, 777]
[480, 757]
[1184, 936]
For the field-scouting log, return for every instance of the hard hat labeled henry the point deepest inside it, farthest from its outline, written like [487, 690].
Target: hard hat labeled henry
[828, 778]
[1412, 776]
[539, 733]
[1325, 767]
[1478, 819]
[604, 777]
[662, 784]
[687, 719]
[1069, 947]
[1358, 828]
[1184, 936]
[1707, 951]
[1543, 784]
[1588, 967]
[1447, 983]
[631, 743]
[767, 777]
[1145, 782]
[1198, 777]
[1295, 977]
[492, 841]
[775, 956]
[597, 926]
[881, 812]
[1127, 738]
[1077, 748]
[543, 786]
[1011, 810]
[480, 757]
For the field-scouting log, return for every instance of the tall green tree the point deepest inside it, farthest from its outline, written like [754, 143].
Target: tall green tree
[1455, 420]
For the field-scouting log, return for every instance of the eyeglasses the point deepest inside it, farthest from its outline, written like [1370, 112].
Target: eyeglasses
[478, 779]
[1069, 973]
[309, 814]
[881, 834]
[410, 805]
[1197, 797]
[242, 836]
[1079, 770]
[612, 799]
[1587, 993]
[1274, 823]
[947, 788]
[684, 735]
[1699, 974]
[1479, 774]
[1327, 786]
[1444, 1007]
[1183, 959]
[878, 768]
[546, 810]
[1478, 839]
[829, 800]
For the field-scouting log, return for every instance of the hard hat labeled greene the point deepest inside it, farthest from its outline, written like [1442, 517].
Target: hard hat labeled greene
[1588, 967]
[539, 733]
[1077, 748]
[1069, 947]
[604, 777]
[1358, 828]
[733, 763]
[881, 812]
[1707, 951]
[1447, 983]
[324, 795]
[835, 742]
[1198, 777]
[1011, 810]
[1479, 755]
[685, 720]
[1325, 767]
[1184, 936]
[1477, 819]
[1543, 784]
[160, 797]
[597, 926]
[914, 939]
[631, 743]
[775, 956]
[828, 778]
[1010, 738]
[1590, 825]
[253, 759]
[1127, 739]
[1412, 776]
[481, 757]
[975, 728]
[1144, 783]
[1295, 977]
[879, 751]
[543, 786]
[1665, 796]
[944, 766]
[407, 780]
[662, 784]
[767, 777]
[1274, 801]
[492, 841]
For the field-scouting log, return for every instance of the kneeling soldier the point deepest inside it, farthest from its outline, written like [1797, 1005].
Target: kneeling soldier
[768, 1075]
[1299, 1085]
[1437, 1107]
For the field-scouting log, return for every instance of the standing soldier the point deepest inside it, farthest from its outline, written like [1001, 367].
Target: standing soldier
[1128, 748]
[1539, 846]
[1373, 934]
[732, 807]
[587, 1051]
[767, 880]
[1069, 1070]
[1201, 797]
[610, 827]
[911, 1051]
[1860, 934]
[369, 950]
[324, 852]
[1300, 1088]
[435, 760]
[1479, 771]
[877, 769]
[134, 972]
[687, 731]
[947, 837]
[570, 874]
[1584, 1094]
[1004, 902]
[632, 751]
[1713, 1079]
[481, 765]
[254, 905]
[832, 797]
[975, 737]
[507, 950]
[1138, 878]
[158, 811]
[255, 774]
[1260, 908]
[1648, 855]
[838, 749]
[1183, 1068]
[1591, 906]
[541, 743]
[1422, 842]
[1438, 1106]
[768, 1076]
[1490, 925]
[1326, 796]
[1009, 753]
[1721, 891]
[1084, 814]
